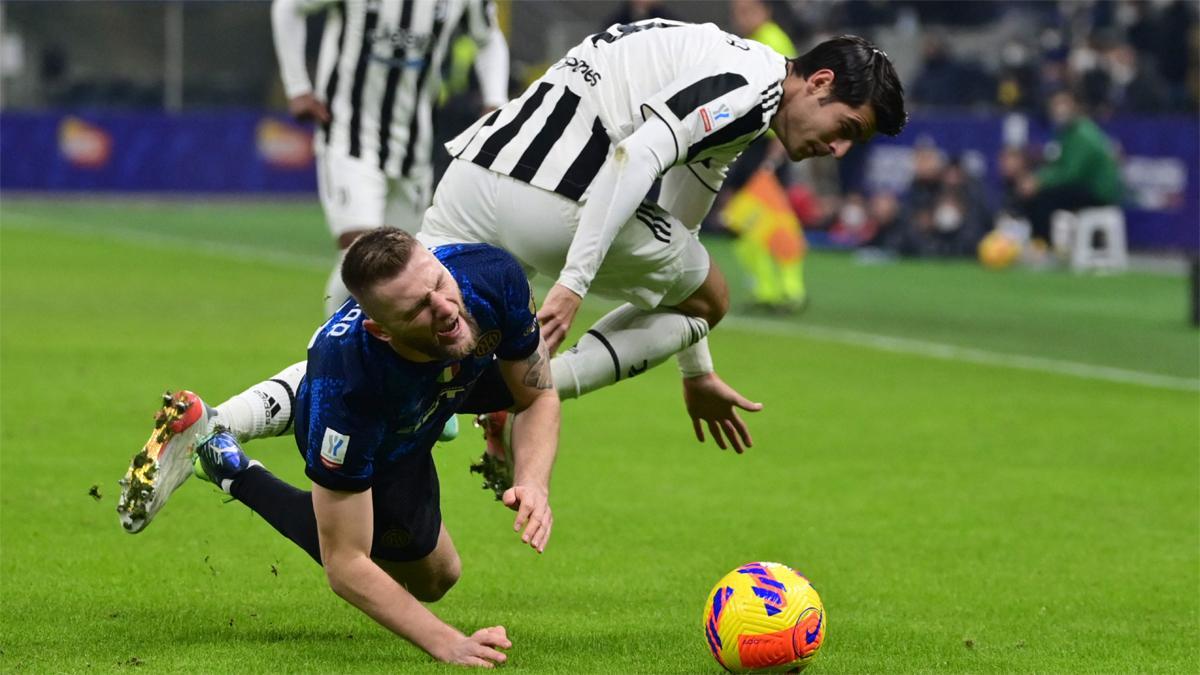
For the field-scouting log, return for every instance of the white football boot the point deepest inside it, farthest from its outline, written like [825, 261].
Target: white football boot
[165, 462]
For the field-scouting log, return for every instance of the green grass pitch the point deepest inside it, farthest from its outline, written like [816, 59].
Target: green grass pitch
[980, 471]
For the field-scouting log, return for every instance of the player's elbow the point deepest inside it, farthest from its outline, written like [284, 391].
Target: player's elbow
[340, 581]
[633, 153]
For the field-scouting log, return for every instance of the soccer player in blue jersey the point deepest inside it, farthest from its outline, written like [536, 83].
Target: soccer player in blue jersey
[432, 333]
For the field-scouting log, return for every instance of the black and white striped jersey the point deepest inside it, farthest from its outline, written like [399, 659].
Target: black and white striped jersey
[379, 70]
[716, 91]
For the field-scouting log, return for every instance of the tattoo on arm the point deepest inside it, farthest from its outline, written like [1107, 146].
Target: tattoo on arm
[538, 374]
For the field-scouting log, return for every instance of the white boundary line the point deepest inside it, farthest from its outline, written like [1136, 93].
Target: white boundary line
[947, 352]
[129, 235]
[886, 343]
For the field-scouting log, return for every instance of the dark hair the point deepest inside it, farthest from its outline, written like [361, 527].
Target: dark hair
[376, 256]
[862, 73]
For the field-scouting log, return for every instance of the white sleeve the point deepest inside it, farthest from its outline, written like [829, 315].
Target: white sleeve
[618, 188]
[289, 30]
[688, 191]
[491, 67]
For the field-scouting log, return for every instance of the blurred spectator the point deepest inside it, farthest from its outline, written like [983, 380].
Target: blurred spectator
[853, 226]
[883, 211]
[945, 80]
[1082, 169]
[1018, 85]
[1136, 88]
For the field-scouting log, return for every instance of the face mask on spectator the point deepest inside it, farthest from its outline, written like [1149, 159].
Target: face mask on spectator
[853, 216]
[947, 217]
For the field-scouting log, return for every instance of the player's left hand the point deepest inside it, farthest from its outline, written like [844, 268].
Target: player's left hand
[710, 400]
[532, 505]
[557, 313]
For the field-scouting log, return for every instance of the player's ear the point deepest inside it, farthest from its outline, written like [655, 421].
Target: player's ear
[376, 330]
[820, 83]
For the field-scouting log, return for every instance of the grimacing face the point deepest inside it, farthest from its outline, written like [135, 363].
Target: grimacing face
[420, 312]
[809, 124]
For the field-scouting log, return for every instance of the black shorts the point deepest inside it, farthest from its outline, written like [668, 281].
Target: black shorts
[407, 508]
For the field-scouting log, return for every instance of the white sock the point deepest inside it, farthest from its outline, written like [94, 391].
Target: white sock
[264, 409]
[626, 342]
[695, 360]
[336, 292]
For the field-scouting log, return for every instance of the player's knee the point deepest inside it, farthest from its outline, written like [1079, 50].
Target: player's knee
[710, 303]
[717, 309]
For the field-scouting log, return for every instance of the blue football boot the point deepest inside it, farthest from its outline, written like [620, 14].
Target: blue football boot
[219, 459]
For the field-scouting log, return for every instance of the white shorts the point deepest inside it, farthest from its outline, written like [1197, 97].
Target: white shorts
[653, 261]
[356, 195]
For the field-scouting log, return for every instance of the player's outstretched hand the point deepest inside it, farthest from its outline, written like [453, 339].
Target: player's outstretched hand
[481, 649]
[557, 313]
[532, 505]
[306, 108]
[710, 400]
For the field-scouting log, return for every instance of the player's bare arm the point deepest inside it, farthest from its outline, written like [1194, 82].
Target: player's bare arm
[535, 443]
[344, 526]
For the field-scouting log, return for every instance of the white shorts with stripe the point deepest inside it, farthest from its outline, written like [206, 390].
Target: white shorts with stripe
[357, 195]
[654, 260]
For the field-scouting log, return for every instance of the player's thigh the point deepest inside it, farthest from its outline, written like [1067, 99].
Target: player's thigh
[473, 204]
[463, 208]
[535, 225]
[653, 262]
[353, 192]
[407, 200]
[406, 508]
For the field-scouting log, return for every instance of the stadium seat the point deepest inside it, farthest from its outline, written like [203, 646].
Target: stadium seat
[1093, 238]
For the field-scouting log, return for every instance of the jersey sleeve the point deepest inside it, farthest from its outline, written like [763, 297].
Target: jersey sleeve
[707, 107]
[520, 332]
[289, 32]
[480, 20]
[342, 441]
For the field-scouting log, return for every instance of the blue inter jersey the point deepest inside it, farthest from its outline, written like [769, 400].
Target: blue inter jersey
[362, 408]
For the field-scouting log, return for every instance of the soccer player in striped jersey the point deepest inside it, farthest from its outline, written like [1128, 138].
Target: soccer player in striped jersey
[378, 77]
[559, 177]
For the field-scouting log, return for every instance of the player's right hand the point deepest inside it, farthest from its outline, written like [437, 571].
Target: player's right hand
[557, 313]
[479, 650]
[306, 108]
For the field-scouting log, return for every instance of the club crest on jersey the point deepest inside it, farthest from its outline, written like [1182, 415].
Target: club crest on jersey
[487, 343]
[715, 118]
[333, 449]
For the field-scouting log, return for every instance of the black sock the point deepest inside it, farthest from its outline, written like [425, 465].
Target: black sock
[286, 507]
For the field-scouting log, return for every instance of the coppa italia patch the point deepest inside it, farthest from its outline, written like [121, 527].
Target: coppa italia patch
[715, 118]
[333, 448]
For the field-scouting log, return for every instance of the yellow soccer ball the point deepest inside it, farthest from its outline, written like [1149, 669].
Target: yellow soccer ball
[998, 250]
[764, 617]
